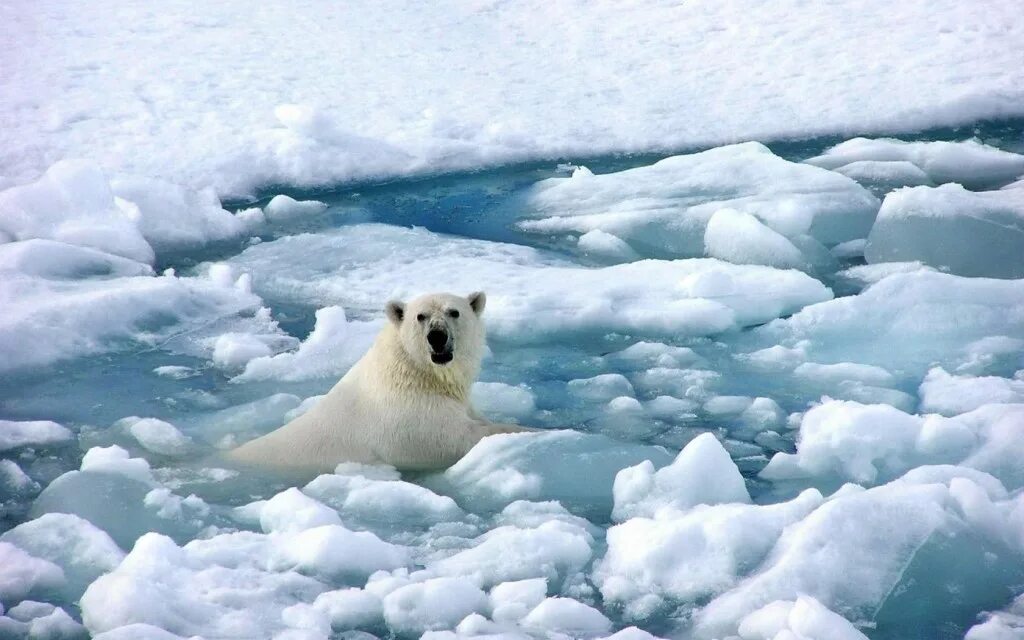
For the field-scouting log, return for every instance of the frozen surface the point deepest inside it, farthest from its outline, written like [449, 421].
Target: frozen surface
[970, 163]
[694, 205]
[184, 96]
[964, 232]
[536, 293]
[726, 448]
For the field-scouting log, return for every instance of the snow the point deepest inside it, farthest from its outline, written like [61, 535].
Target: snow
[565, 615]
[282, 207]
[438, 603]
[157, 436]
[554, 550]
[347, 267]
[22, 573]
[744, 432]
[906, 322]
[334, 345]
[692, 553]
[81, 550]
[865, 443]
[291, 510]
[511, 601]
[57, 315]
[970, 163]
[702, 473]
[948, 394]
[969, 233]
[741, 238]
[32, 433]
[115, 460]
[853, 572]
[211, 110]
[663, 210]
[41, 210]
[804, 617]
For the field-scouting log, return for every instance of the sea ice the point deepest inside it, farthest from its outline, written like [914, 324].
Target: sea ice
[685, 555]
[56, 315]
[875, 442]
[855, 551]
[282, 207]
[83, 551]
[741, 238]
[969, 233]
[438, 603]
[535, 466]
[534, 294]
[702, 473]
[970, 163]
[32, 433]
[906, 322]
[663, 210]
[949, 395]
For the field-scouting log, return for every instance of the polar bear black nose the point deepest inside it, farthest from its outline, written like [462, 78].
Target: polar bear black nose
[437, 339]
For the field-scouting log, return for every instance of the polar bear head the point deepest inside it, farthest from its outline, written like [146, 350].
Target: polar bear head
[441, 330]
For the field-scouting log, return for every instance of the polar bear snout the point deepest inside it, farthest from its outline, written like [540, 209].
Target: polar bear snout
[439, 340]
[441, 347]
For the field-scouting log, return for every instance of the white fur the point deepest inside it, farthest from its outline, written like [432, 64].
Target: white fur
[395, 406]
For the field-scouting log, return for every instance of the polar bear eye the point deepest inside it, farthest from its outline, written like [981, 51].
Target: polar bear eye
[421, 317]
[454, 313]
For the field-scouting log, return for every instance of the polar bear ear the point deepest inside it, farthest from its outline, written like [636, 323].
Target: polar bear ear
[477, 300]
[396, 311]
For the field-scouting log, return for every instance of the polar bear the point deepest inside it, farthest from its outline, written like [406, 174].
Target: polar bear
[405, 403]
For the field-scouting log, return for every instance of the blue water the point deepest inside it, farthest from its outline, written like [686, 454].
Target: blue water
[91, 393]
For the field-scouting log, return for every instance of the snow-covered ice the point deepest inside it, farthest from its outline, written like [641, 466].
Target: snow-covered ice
[535, 293]
[970, 163]
[948, 227]
[399, 88]
[778, 381]
[669, 209]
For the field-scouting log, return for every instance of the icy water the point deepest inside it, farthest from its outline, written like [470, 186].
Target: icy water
[915, 559]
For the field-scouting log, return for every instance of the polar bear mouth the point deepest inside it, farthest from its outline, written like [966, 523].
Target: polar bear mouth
[442, 358]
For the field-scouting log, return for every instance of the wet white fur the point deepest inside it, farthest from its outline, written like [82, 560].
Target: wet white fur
[394, 406]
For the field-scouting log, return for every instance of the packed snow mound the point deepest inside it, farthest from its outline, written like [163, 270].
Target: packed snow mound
[663, 210]
[51, 316]
[868, 443]
[804, 618]
[131, 217]
[193, 119]
[741, 238]
[942, 392]
[83, 551]
[334, 345]
[32, 433]
[172, 217]
[22, 574]
[906, 322]
[970, 163]
[532, 294]
[692, 553]
[948, 227]
[73, 203]
[702, 473]
[282, 207]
